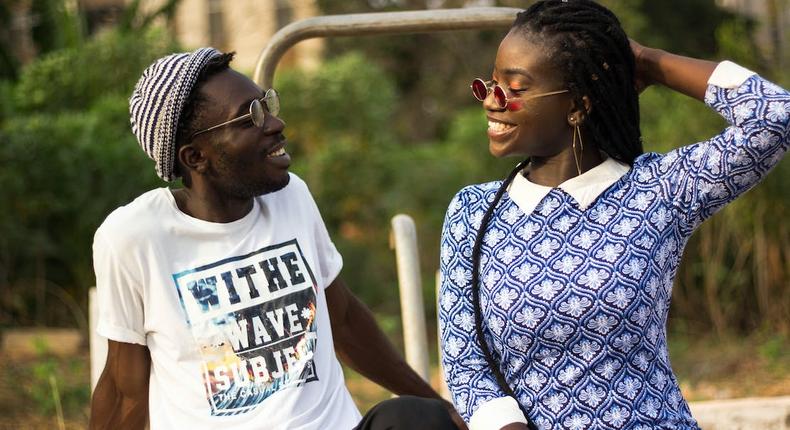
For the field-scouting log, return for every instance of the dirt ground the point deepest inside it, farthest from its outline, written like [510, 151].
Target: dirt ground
[707, 369]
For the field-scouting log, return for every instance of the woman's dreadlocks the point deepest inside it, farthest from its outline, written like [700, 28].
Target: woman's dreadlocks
[593, 54]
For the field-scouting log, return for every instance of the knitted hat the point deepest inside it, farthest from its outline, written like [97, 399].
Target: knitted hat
[157, 101]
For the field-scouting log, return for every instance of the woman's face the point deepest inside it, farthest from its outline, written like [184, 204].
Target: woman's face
[538, 127]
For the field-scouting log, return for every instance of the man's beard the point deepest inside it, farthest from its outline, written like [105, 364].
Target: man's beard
[242, 190]
[233, 185]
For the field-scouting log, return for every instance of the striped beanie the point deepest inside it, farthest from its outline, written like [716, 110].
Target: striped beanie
[157, 101]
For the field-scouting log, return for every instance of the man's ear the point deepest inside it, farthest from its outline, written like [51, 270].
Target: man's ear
[577, 114]
[192, 158]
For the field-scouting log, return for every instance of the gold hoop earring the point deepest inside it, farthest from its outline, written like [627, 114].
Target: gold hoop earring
[576, 132]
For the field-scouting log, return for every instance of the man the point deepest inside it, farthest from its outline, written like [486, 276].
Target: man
[217, 297]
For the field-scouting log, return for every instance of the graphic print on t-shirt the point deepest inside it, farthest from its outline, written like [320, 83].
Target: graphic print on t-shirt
[253, 318]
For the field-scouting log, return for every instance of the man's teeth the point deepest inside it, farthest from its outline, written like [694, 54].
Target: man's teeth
[499, 127]
[277, 153]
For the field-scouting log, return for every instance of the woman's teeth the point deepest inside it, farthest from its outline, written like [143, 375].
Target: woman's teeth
[277, 153]
[499, 127]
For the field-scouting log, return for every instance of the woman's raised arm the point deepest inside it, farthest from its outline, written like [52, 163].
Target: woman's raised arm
[682, 74]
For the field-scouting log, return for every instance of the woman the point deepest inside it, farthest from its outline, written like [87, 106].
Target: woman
[556, 282]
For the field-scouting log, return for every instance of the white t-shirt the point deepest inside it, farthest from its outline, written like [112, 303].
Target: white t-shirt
[234, 314]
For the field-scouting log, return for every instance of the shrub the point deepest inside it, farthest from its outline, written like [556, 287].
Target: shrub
[75, 78]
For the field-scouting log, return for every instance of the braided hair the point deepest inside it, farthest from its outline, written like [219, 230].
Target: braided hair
[592, 53]
[594, 56]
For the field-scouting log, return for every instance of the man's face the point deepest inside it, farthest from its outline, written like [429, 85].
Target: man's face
[242, 160]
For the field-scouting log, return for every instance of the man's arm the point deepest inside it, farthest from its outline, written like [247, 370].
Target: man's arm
[360, 343]
[120, 400]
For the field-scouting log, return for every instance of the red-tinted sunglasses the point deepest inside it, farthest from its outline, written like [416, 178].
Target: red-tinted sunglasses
[481, 89]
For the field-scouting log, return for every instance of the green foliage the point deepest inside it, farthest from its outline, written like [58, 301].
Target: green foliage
[75, 78]
[32, 382]
[68, 171]
[634, 21]
[670, 120]
[40, 388]
[59, 26]
[134, 19]
[8, 64]
[35, 385]
[6, 97]
[321, 103]
[684, 27]
[735, 43]
[69, 159]
[776, 349]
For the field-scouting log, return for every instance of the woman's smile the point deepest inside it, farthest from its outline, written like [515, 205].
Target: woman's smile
[500, 131]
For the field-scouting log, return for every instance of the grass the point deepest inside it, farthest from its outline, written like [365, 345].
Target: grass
[707, 368]
[730, 367]
[27, 399]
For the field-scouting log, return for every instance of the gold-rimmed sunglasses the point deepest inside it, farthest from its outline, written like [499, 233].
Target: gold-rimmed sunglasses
[270, 102]
[481, 89]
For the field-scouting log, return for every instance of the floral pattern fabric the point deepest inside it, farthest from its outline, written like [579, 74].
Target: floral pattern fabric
[574, 301]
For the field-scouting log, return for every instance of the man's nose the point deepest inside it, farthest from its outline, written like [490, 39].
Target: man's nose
[273, 124]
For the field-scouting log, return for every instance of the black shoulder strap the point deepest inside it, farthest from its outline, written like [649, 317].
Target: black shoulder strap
[492, 363]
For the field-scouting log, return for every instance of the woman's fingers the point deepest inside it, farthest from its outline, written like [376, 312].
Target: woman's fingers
[641, 80]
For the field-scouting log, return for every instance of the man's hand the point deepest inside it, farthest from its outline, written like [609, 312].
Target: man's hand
[457, 420]
[515, 426]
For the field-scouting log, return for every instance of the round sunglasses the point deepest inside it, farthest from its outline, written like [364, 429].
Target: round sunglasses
[270, 102]
[481, 89]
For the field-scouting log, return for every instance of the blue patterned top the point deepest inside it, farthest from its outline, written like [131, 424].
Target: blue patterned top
[575, 300]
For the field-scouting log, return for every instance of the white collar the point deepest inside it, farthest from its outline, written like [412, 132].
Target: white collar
[584, 188]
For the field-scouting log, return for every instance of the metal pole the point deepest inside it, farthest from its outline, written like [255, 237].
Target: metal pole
[366, 24]
[404, 240]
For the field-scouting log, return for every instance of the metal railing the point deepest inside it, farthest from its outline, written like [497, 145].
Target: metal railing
[371, 24]
[403, 240]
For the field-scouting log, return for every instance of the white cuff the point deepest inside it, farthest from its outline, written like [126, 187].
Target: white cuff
[729, 75]
[120, 334]
[497, 413]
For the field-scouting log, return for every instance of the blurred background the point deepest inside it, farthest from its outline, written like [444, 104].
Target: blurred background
[377, 126]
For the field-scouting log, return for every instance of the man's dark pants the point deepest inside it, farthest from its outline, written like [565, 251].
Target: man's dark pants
[407, 413]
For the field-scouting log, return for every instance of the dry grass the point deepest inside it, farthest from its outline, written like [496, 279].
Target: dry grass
[725, 368]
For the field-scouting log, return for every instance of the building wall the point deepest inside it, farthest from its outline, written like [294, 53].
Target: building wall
[245, 26]
[191, 23]
[19, 32]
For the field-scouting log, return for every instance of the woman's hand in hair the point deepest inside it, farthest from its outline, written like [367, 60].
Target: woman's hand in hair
[685, 75]
[642, 76]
